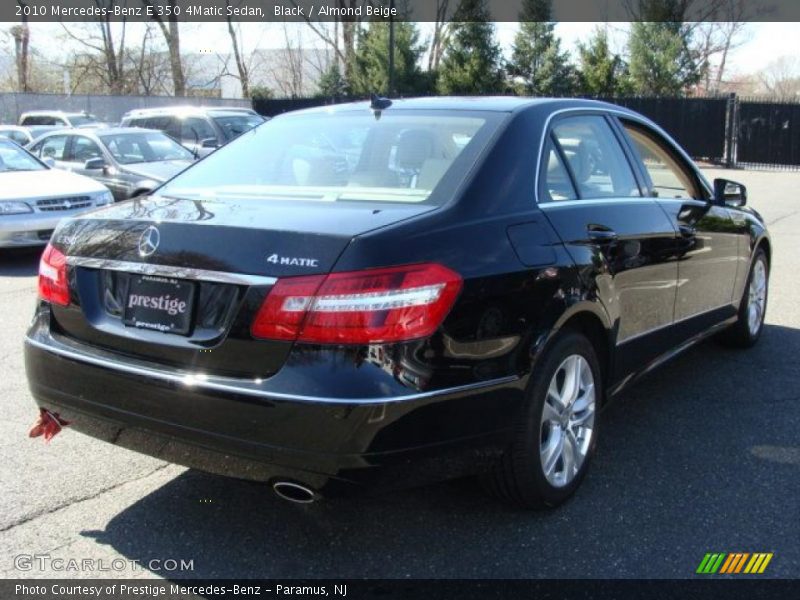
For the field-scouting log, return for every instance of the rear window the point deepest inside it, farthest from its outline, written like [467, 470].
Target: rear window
[399, 157]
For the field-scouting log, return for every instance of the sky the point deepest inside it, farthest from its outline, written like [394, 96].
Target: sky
[767, 41]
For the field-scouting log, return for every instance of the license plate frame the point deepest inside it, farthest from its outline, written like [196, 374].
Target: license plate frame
[150, 300]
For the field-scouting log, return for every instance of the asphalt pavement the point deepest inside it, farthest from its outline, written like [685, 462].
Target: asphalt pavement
[701, 456]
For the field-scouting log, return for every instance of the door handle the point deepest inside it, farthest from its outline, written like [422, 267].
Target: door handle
[601, 233]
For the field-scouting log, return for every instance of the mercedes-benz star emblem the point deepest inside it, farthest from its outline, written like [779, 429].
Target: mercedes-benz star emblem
[148, 242]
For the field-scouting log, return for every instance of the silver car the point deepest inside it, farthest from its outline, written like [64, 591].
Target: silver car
[34, 197]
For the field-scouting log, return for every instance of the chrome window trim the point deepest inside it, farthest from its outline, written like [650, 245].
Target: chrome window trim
[188, 379]
[170, 271]
[618, 113]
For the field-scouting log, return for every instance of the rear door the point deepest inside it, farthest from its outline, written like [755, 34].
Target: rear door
[621, 240]
[708, 240]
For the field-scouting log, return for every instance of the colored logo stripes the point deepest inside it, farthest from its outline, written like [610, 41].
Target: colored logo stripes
[734, 562]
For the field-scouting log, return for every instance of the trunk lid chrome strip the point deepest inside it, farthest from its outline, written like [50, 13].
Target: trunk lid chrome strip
[170, 271]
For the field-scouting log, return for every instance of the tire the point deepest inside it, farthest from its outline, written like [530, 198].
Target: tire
[528, 475]
[753, 306]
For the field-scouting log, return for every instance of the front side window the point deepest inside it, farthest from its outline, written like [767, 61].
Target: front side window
[194, 130]
[394, 157]
[668, 177]
[84, 149]
[147, 146]
[596, 161]
[235, 125]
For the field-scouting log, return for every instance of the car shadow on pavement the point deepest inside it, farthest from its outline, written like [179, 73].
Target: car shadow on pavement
[699, 456]
[19, 262]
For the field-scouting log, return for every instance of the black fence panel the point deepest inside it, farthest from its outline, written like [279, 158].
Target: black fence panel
[275, 106]
[697, 124]
[769, 133]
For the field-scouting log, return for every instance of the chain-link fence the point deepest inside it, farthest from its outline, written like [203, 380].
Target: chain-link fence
[106, 108]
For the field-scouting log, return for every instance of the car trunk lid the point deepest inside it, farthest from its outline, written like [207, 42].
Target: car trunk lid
[132, 263]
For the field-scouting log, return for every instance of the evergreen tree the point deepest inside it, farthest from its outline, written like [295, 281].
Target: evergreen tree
[472, 59]
[332, 84]
[602, 73]
[661, 59]
[371, 72]
[538, 64]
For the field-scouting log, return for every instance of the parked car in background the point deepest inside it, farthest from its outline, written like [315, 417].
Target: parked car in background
[129, 161]
[200, 129]
[464, 297]
[34, 197]
[60, 118]
[25, 135]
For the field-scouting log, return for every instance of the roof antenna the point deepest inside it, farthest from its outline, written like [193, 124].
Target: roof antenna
[378, 103]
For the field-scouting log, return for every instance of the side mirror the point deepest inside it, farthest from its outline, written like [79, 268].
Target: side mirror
[209, 143]
[729, 193]
[94, 164]
[49, 161]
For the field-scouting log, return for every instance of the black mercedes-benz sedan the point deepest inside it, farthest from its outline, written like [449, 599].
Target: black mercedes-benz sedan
[378, 295]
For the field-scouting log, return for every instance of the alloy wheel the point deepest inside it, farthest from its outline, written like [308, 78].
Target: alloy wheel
[567, 421]
[757, 297]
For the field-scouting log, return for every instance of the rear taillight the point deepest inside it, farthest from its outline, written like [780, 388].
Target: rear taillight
[53, 285]
[360, 307]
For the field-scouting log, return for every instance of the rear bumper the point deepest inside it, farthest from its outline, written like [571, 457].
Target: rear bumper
[242, 430]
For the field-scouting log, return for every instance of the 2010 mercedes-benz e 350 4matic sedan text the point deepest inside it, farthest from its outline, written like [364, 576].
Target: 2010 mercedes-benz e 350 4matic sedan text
[379, 295]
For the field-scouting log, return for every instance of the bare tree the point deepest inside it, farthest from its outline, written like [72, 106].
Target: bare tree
[343, 38]
[171, 33]
[22, 36]
[288, 73]
[716, 39]
[150, 66]
[238, 53]
[440, 35]
[781, 78]
[108, 65]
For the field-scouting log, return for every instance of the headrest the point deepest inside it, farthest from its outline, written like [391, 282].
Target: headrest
[414, 147]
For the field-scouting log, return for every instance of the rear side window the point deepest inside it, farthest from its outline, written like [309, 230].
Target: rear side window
[669, 177]
[557, 184]
[52, 147]
[167, 124]
[594, 158]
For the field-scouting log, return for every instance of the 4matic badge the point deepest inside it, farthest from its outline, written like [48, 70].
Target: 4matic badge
[292, 261]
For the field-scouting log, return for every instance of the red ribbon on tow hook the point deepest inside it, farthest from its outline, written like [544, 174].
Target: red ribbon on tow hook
[48, 425]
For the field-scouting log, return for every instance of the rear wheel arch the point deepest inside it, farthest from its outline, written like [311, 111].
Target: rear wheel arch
[592, 327]
[764, 245]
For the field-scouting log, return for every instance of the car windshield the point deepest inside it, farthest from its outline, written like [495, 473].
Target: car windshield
[14, 158]
[235, 125]
[78, 120]
[398, 156]
[143, 147]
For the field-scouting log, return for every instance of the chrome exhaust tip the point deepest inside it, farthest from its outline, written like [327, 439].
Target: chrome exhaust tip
[294, 492]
